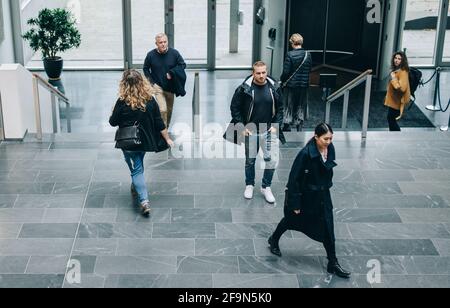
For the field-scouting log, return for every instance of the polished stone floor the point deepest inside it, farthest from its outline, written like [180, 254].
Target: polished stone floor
[67, 198]
[93, 95]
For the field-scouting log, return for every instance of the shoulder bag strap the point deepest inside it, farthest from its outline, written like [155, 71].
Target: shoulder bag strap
[296, 71]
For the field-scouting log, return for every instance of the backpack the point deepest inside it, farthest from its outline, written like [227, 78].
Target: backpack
[415, 79]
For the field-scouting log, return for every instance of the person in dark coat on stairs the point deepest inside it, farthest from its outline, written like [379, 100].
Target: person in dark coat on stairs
[296, 72]
[308, 206]
[136, 105]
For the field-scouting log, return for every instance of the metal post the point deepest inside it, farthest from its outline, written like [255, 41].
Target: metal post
[435, 107]
[345, 110]
[234, 26]
[127, 34]
[169, 21]
[272, 49]
[2, 130]
[328, 108]
[196, 107]
[212, 33]
[326, 33]
[326, 94]
[69, 118]
[365, 124]
[37, 109]
[55, 120]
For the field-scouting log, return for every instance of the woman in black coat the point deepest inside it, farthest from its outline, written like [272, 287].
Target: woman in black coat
[308, 205]
[136, 105]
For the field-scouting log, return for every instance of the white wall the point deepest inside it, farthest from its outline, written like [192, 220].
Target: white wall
[275, 18]
[16, 86]
[6, 47]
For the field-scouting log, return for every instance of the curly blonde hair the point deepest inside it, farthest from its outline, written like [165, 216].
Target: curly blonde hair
[135, 90]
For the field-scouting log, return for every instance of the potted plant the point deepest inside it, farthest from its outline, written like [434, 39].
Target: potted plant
[53, 31]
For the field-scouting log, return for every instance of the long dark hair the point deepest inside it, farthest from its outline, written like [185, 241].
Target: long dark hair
[405, 62]
[321, 129]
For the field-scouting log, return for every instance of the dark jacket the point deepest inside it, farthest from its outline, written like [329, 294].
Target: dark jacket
[308, 190]
[156, 67]
[178, 83]
[293, 60]
[150, 123]
[242, 107]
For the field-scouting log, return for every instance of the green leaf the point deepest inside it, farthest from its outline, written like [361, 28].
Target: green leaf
[52, 32]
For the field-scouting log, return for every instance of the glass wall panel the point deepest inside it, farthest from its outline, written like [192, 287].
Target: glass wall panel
[100, 25]
[419, 35]
[234, 37]
[191, 30]
[147, 21]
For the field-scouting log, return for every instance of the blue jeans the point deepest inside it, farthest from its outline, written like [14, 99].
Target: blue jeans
[135, 161]
[269, 144]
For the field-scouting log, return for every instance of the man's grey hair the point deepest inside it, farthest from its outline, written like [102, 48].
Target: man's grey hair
[160, 36]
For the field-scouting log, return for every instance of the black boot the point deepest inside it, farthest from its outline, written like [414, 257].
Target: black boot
[274, 248]
[335, 268]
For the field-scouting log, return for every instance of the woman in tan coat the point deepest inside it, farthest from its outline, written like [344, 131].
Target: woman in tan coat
[399, 91]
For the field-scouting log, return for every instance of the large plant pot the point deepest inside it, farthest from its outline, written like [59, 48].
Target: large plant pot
[53, 67]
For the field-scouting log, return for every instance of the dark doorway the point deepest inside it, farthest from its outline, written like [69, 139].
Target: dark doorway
[337, 32]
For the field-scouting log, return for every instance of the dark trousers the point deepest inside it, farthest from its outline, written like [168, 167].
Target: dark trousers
[329, 242]
[295, 106]
[392, 116]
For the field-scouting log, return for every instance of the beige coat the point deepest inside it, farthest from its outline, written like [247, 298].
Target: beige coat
[399, 92]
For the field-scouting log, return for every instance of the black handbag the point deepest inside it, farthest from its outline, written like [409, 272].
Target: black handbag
[128, 138]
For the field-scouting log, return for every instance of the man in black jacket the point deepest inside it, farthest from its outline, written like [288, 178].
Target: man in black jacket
[297, 69]
[165, 68]
[257, 112]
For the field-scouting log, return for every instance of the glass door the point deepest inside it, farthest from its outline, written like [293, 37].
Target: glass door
[147, 20]
[444, 36]
[234, 33]
[190, 20]
[185, 23]
[420, 31]
[207, 33]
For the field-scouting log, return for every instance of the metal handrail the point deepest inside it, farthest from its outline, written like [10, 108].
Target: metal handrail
[196, 117]
[55, 93]
[333, 51]
[51, 88]
[345, 91]
[349, 86]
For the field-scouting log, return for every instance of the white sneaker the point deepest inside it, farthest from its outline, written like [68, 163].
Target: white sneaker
[268, 195]
[249, 190]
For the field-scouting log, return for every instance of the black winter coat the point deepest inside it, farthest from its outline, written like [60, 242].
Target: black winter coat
[293, 60]
[177, 85]
[308, 190]
[150, 122]
[242, 106]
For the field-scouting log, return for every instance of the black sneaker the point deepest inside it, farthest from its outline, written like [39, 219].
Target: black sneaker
[145, 207]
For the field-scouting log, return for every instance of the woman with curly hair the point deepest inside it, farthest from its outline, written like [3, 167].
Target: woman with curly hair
[136, 105]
